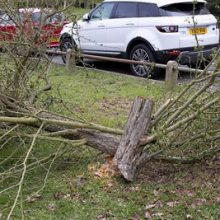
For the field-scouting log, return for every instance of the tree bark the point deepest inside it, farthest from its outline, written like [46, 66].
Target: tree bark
[129, 151]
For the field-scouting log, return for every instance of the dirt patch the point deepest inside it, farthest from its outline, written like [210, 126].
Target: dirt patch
[204, 173]
[115, 106]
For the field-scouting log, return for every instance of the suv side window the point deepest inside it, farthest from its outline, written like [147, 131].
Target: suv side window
[126, 10]
[148, 10]
[104, 11]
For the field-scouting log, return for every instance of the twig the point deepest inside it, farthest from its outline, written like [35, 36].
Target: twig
[190, 100]
[24, 172]
[70, 124]
[187, 160]
[48, 172]
[74, 143]
[8, 132]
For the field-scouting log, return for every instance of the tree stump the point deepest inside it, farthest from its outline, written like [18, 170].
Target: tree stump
[129, 150]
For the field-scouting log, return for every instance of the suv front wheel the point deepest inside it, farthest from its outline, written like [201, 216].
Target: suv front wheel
[141, 52]
[65, 44]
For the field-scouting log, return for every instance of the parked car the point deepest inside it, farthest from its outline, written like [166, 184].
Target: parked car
[32, 20]
[151, 30]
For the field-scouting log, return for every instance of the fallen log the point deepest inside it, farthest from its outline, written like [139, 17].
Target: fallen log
[125, 146]
[97, 136]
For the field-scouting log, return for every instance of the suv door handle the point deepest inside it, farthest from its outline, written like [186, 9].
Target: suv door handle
[101, 25]
[130, 24]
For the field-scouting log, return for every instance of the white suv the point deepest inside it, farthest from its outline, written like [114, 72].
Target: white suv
[151, 30]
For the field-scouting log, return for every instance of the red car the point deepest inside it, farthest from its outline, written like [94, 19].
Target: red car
[41, 24]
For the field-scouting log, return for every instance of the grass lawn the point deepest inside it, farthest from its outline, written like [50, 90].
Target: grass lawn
[75, 189]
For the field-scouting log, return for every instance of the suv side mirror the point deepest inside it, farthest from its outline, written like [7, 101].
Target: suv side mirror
[86, 17]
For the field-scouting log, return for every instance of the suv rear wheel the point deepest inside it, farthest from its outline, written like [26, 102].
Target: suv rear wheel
[141, 52]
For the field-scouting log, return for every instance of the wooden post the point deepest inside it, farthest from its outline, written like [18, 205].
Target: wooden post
[70, 61]
[171, 75]
[64, 4]
[86, 3]
[129, 151]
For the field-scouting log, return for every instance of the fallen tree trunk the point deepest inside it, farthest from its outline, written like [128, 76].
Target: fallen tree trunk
[99, 137]
[126, 147]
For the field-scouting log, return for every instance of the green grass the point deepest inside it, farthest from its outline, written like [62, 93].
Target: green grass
[99, 96]
[73, 189]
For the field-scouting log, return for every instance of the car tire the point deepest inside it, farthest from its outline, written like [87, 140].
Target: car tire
[141, 52]
[65, 44]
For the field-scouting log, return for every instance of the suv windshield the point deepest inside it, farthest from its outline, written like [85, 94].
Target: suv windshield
[184, 9]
